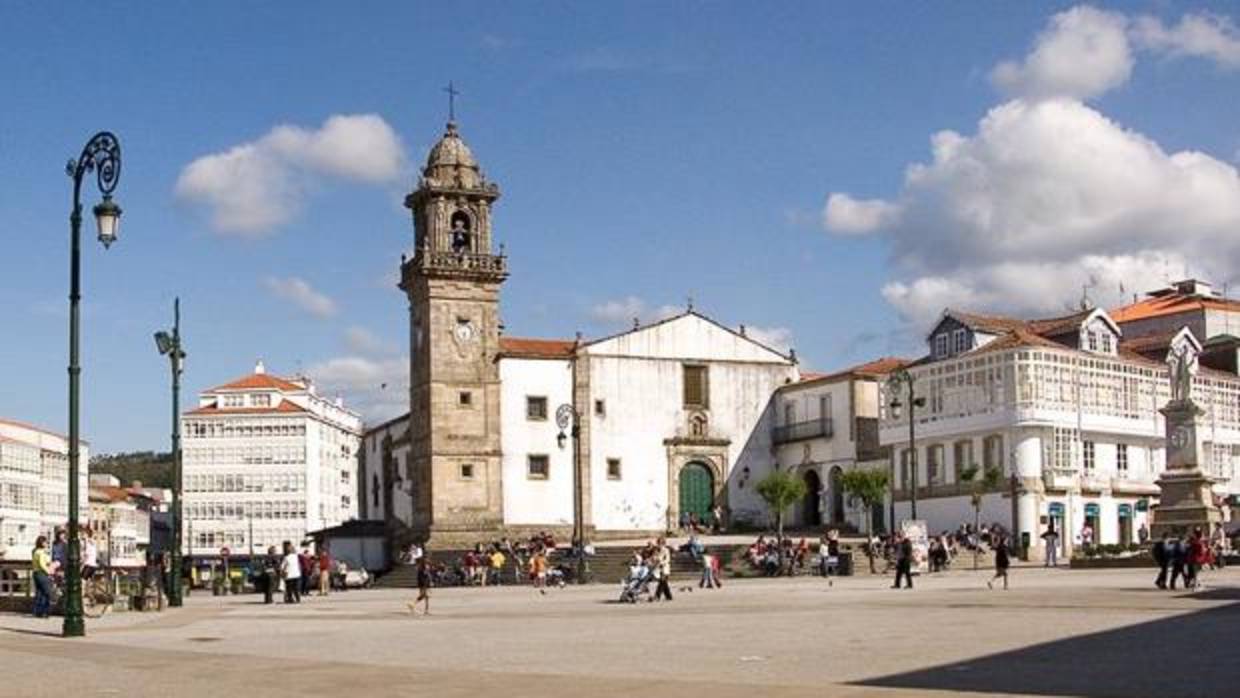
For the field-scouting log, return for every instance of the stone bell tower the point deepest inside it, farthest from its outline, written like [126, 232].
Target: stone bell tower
[453, 283]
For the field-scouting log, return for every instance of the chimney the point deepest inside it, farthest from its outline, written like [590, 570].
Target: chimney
[743, 331]
[259, 368]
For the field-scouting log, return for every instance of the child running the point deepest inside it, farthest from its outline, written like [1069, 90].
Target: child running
[424, 589]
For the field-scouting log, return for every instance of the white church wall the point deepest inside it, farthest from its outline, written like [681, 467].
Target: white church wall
[529, 501]
[684, 337]
[644, 406]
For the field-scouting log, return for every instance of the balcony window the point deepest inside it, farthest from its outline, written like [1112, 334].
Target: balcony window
[1121, 458]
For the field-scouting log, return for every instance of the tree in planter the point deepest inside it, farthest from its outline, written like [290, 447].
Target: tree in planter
[988, 481]
[781, 490]
[869, 487]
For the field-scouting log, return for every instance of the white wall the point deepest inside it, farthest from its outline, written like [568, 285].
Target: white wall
[530, 501]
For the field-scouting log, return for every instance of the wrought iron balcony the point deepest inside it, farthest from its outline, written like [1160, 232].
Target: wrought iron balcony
[799, 431]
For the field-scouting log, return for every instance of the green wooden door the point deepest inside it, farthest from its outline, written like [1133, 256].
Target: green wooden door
[697, 490]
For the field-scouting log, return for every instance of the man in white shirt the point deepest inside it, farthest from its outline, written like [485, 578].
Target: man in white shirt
[290, 569]
[90, 557]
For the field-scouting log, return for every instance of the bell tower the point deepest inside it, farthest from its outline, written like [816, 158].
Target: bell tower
[453, 283]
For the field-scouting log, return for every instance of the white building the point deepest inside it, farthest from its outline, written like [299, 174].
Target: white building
[268, 455]
[824, 426]
[34, 486]
[675, 417]
[120, 521]
[1067, 413]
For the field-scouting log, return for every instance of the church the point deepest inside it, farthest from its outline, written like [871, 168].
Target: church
[611, 437]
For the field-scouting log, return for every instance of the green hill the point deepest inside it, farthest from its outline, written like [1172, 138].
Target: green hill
[150, 468]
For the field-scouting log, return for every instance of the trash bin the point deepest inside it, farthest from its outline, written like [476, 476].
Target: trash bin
[845, 568]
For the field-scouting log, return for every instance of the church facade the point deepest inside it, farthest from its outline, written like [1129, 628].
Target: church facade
[506, 434]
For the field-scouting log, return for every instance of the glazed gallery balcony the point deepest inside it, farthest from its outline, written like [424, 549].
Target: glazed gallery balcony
[800, 431]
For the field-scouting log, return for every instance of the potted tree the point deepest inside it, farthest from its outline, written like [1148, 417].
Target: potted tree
[868, 487]
[988, 481]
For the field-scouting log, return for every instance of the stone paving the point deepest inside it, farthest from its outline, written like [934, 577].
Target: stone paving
[1056, 632]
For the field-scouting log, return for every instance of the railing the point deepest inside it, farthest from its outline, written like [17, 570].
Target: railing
[803, 430]
[462, 262]
[17, 585]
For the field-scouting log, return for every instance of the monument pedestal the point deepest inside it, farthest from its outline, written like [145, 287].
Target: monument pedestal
[1186, 500]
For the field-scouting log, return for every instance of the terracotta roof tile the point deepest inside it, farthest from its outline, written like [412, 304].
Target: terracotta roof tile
[1055, 326]
[285, 407]
[877, 367]
[1170, 304]
[259, 381]
[528, 348]
[992, 324]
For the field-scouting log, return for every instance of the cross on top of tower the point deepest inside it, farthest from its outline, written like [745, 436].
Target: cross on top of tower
[452, 93]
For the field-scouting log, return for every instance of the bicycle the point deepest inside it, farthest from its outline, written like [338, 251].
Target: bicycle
[97, 598]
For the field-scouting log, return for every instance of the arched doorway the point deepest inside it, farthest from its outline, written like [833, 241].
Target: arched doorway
[837, 496]
[811, 512]
[697, 491]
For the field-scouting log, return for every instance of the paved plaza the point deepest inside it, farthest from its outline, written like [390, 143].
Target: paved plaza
[1057, 632]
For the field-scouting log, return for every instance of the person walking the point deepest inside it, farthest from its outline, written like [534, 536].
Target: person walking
[829, 555]
[42, 568]
[290, 570]
[306, 565]
[325, 571]
[904, 561]
[271, 574]
[424, 588]
[1196, 558]
[1178, 553]
[1051, 539]
[1002, 562]
[1159, 551]
[663, 572]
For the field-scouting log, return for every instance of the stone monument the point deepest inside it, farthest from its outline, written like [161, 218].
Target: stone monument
[1186, 500]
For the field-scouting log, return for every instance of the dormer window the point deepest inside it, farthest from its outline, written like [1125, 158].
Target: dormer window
[261, 400]
[940, 344]
[960, 341]
[1107, 343]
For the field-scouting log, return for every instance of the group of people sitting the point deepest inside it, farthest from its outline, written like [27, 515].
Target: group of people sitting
[776, 556]
[485, 564]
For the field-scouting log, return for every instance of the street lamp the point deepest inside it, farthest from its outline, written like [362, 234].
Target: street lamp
[170, 345]
[903, 379]
[102, 156]
[566, 415]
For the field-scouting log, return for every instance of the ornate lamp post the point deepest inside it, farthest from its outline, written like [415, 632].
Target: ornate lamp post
[566, 415]
[102, 156]
[170, 345]
[902, 379]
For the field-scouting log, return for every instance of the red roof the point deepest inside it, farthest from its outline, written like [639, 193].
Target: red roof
[285, 407]
[259, 381]
[1171, 304]
[527, 348]
[877, 367]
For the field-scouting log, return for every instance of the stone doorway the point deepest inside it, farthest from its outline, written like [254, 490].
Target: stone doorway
[811, 509]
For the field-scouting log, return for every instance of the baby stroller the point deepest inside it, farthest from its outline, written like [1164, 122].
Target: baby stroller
[636, 585]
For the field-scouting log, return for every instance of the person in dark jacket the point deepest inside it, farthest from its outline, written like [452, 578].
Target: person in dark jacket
[1002, 562]
[1178, 552]
[270, 574]
[904, 561]
[1159, 552]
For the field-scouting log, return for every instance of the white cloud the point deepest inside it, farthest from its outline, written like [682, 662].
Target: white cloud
[377, 388]
[777, 338]
[252, 188]
[622, 311]
[302, 294]
[1201, 35]
[1046, 196]
[845, 215]
[362, 340]
[1082, 53]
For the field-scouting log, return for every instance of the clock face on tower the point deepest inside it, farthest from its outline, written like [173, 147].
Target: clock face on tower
[464, 331]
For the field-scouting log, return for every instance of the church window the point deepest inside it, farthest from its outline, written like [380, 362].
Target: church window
[467, 471]
[600, 408]
[613, 468]
[696, 386]
[535, 408]
[465, 398]
[538, 467]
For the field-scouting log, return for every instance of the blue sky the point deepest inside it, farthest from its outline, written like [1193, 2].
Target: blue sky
[646, 151]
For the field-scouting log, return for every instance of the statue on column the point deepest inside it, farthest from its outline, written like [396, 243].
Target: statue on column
[1182, 365]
